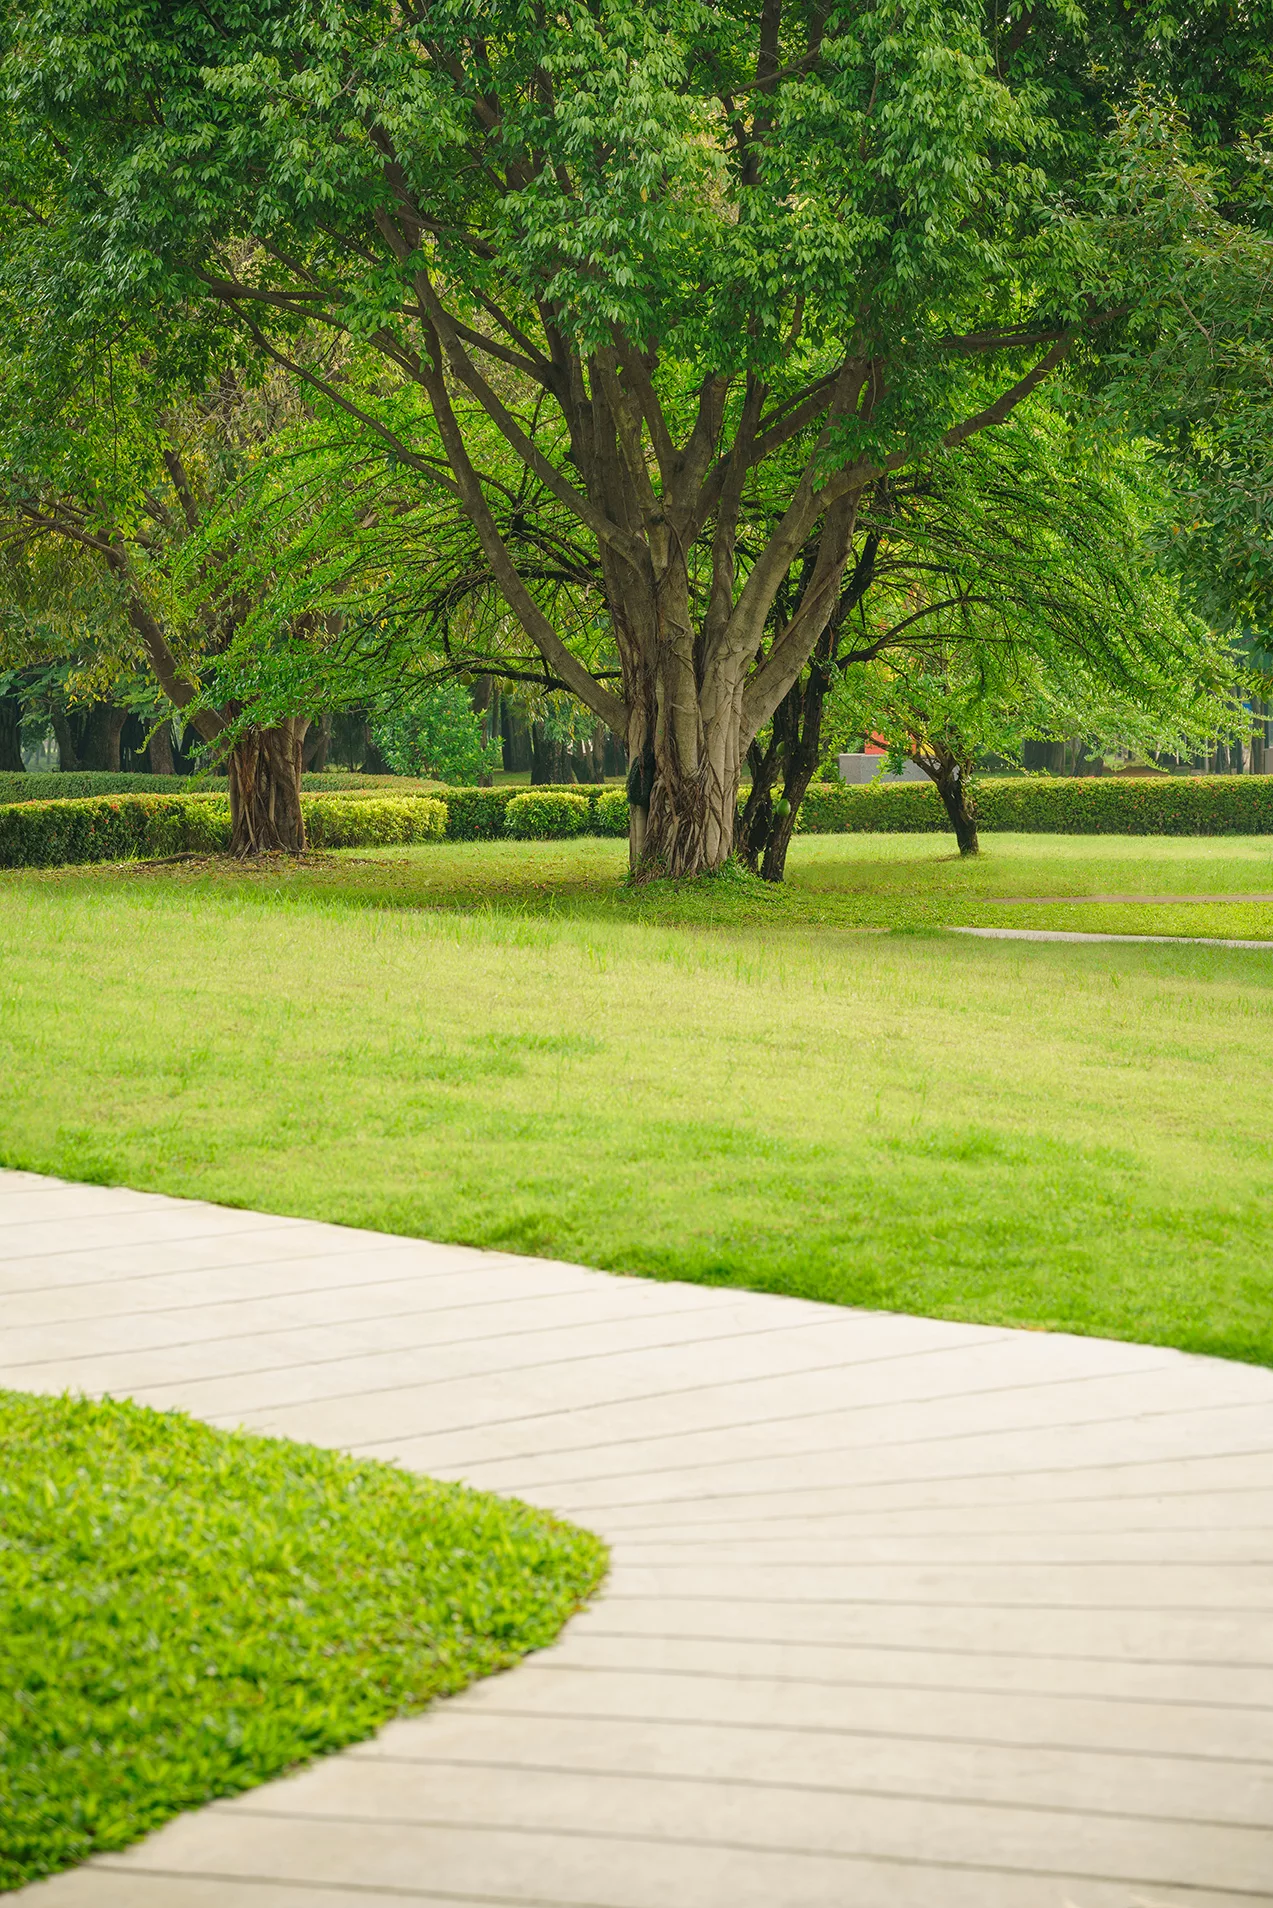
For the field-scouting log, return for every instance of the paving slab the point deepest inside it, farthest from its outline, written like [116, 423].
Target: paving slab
[902, 1614]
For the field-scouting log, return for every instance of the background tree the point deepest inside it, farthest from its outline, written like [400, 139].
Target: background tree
[944, 704]
[110, 469]
[1031, 545]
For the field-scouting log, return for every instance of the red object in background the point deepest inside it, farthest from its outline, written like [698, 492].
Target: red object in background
[875, 745]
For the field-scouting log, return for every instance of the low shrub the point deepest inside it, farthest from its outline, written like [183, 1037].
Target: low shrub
[1043, 805]
[112, 828]
[354, 821]
[547, 814]
[610, 812]
[477, 814]
[354, 782]
[53, 786]
[127, 827]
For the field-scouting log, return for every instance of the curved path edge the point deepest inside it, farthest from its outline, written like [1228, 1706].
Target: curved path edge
[903, 1613]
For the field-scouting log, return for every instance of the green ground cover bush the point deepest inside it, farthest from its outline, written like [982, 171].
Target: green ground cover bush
[547, 814]
[124, 827]
[336, 821]
[112, 828]
[836, 1098]
[1065, 805]
[186, 1612]
[54, 786]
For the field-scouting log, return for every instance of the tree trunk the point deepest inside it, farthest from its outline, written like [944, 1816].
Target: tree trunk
[265, 791]
[549, 760]
[318, 745]
[101, 738]
[11, 736]
[952, 785]
[67, 759]
[766, 826]
[159, 750]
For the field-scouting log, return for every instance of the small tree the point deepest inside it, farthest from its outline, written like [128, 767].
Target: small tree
[1032, 548]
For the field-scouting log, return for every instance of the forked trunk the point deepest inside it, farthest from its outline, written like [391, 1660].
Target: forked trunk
[683, 744]
[952, 785]
[794, 750]
[265, 791]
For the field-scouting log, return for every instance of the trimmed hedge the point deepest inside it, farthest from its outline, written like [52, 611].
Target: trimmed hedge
[1044, 805]
[128, 827]
[52, 786]
[610, 812]
[477, 814]
[112, 828]
[547, 814]
[339, 821]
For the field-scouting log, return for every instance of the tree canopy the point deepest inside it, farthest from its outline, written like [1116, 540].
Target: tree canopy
[691, 269]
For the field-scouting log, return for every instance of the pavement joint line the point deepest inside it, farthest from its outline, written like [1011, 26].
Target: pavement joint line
[779, 1678]
[970, 1503]
[933, 1649]
[620, 1595]
[799, 1417]
[389, 1891]
[394, 1351]
[169, 1271]
[860, 1856]
[346, 1324]
[941, 1477]
[895, 1444]
[279, 1298]
[860, 1734]
[936, 1797]
[606, 1404]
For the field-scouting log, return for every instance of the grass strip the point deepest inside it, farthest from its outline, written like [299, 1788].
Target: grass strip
[186, 1612]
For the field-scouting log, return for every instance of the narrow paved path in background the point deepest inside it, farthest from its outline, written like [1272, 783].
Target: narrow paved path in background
[903, 1614]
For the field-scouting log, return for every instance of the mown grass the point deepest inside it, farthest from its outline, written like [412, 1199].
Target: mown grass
[501, 1044]
[186, 1612]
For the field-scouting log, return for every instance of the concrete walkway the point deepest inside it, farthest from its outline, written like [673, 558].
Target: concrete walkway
[903, 1614]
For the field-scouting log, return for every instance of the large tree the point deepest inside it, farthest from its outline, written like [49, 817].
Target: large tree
[696, 265]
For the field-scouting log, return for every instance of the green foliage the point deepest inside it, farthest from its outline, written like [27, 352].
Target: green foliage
[1068, 805]
[352, 821]
[611, 813]
[112, 828]
[436, 733]
[125, 827]
[186, 1612]
[478, 814]
[54, 786]
[544, 814]
[804, 246]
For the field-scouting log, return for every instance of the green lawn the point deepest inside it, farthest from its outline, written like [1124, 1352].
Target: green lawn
[500, 1044]
[186, 1612]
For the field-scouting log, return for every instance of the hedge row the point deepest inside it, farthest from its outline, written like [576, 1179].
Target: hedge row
[1039, 805]
[111, 828]
[53, 786]
[122, 827]
[477, 814]
[346, 821]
